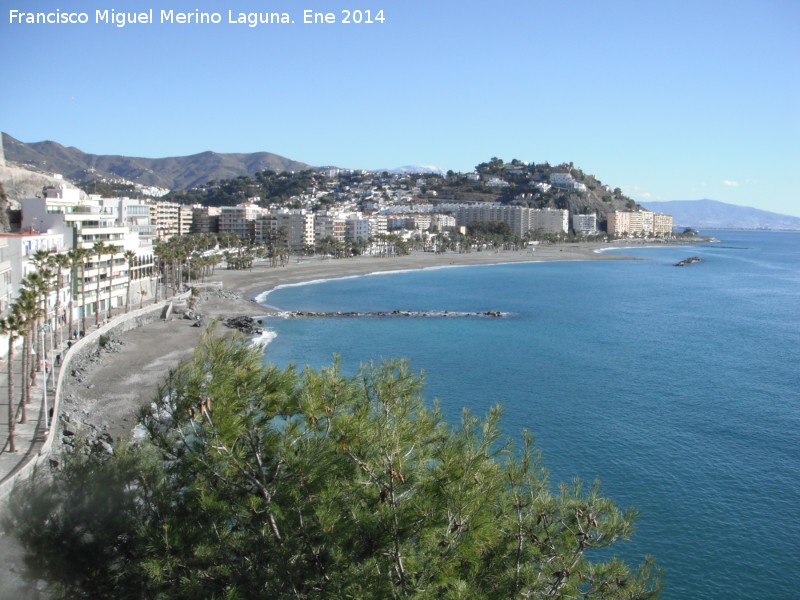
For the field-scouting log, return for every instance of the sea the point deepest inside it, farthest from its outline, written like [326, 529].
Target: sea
[677, 387]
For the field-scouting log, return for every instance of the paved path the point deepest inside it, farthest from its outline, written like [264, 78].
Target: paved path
[29, 437]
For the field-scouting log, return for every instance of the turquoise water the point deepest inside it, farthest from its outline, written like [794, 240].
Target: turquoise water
[678, 388]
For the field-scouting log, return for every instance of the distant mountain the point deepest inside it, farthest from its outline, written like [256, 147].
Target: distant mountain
[415, 169]
[181, 172]
[711, 214]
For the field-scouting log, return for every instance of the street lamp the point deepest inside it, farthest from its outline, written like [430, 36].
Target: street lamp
[47, 368]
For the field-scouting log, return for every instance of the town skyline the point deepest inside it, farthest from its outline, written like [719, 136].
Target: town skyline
[664, 102]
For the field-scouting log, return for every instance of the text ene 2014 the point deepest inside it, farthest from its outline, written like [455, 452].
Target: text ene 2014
[347, 17]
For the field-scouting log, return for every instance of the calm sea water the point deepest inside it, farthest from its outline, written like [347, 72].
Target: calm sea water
[678, 388]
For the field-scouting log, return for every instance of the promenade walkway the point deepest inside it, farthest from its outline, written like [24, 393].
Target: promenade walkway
[29, 437]
[34, 439]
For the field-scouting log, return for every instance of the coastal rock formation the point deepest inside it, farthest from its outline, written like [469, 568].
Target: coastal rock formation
[687, 261]
[246, 325]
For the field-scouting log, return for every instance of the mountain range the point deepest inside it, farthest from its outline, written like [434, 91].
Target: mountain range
[712, 214]
[181, 172]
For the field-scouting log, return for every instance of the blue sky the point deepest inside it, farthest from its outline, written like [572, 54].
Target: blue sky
[667, 100]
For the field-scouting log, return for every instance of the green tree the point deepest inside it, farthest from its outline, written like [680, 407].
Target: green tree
[13, 325]
[99, 249]
[130, 258]
[257, 482]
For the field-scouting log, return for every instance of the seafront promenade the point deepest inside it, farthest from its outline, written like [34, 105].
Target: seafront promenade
[33, 440]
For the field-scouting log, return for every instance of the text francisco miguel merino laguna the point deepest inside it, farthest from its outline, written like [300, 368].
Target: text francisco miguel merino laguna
[251, 19]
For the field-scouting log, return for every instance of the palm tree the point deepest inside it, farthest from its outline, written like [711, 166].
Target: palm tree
[99, 248]
[12, 326]
[60, 262]
[130, 256]
[41, 260]
[38, 282]
[112, 250]
[75, 259]
[160, 252]
[29, 311]
[83, 256]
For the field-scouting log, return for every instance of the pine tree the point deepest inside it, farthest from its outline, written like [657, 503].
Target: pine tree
[258, 482]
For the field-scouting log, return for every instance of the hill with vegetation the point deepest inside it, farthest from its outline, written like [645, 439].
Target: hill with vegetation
[181, 172]
[528, 184]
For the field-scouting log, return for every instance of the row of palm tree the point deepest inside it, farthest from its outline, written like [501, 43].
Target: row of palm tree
[25, 318]
[29, 313]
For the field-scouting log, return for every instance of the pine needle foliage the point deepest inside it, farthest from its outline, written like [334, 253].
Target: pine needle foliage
[259, 482]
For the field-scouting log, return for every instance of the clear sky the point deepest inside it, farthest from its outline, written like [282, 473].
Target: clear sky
[669, 100]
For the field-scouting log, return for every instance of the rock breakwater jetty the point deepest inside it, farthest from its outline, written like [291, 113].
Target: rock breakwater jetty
[687, 261]
[252, 326]
[392, 313]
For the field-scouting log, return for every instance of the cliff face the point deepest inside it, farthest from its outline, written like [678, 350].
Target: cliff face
[17, 183]
[21, 183]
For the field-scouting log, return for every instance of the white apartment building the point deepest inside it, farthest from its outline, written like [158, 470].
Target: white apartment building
[563, 181]
[662, 224]
[329, 225]
[584, 224]
[442, 222]
[357, 228]
[549, 220]
[625, 223]
[296, 225]
[166, 218]
[82, 223]
[133, 214]
[19, 250]
[520, 219]
[240, 220]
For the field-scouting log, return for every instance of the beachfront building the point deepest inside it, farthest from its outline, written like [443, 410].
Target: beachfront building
[240, 220]
[440, 222]
[520, 219]
[364, 228]
[662, 224]
[20, 249]
[170, 219]
[329, 225]
[584, 224]
[357, 228]
[549, 220]
[293, 229]
[165, 216]
[205, 219]
[627, 223]
[517, 217]
[83, 222]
